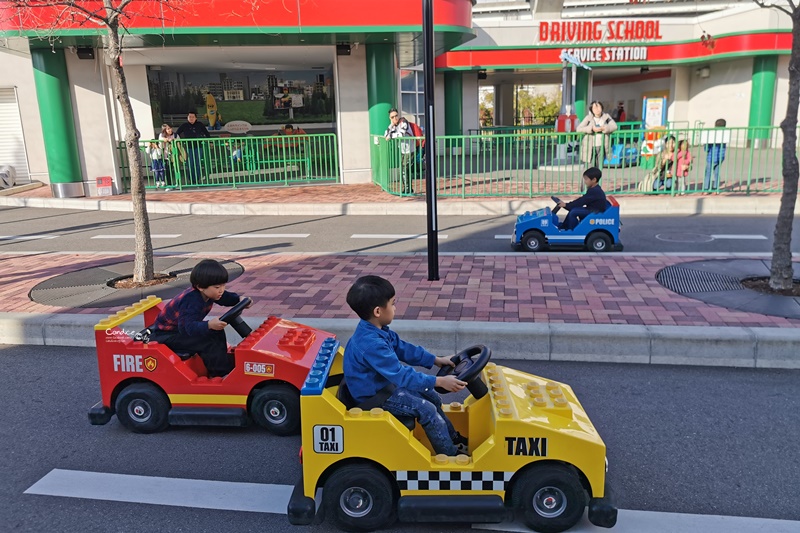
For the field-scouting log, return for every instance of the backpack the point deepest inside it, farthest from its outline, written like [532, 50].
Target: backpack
[416, 131]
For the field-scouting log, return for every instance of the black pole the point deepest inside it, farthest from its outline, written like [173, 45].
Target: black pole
[429, 69]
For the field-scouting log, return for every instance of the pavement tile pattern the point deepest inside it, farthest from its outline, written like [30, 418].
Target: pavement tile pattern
[586, 289]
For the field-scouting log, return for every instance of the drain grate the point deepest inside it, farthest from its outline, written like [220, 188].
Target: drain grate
[685, 280]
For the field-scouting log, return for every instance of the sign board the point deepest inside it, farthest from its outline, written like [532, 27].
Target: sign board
[655, 112]
[238, 127]
[599, 31]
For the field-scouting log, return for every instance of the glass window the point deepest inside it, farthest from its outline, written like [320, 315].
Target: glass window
[407, 81]
[409, 104]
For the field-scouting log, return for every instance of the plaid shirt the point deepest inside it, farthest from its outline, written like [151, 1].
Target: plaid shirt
[186, 312]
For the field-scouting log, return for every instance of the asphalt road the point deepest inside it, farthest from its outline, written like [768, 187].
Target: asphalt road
[682, 440]
[30, 229]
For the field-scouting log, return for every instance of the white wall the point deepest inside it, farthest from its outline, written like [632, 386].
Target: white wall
[96, 143]
[469, 101]
[353, 116]
[724, 94]
[781, 91]
[15, 64]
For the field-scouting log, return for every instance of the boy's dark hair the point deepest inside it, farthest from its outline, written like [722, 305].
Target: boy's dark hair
[288, 127]
[367, 293]
[394, 110]
[720, 123]
[207, 273]
[593, 173]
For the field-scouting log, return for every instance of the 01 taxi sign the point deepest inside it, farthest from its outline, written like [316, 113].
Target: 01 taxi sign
[532, 450]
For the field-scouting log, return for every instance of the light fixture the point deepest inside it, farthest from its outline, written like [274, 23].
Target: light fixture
[704, 72]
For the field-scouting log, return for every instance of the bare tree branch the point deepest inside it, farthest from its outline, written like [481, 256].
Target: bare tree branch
[762, 3]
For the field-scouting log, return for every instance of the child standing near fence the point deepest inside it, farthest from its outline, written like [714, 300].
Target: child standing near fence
[157, 157]
[715, 154]
[684, 165]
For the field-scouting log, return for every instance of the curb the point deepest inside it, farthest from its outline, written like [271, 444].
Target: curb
[654, 205]
[596, 343]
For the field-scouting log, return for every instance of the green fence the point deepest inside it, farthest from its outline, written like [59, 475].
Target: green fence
[741, 160]
[236, 161]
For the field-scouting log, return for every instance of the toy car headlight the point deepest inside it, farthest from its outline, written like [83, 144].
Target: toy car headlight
[606, 465]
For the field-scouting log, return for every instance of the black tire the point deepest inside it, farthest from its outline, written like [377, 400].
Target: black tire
[598, 242]
[550, 498]
[277, 408]
[533, 241]
[359, 498]
[143, 408]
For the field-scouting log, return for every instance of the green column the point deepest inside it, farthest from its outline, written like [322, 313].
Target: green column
[762, 98]
[453, 103]
[381, 85]
[58, 124]
[581, 92]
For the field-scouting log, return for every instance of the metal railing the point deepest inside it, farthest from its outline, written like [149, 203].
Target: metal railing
[235, 161]
[739, 160]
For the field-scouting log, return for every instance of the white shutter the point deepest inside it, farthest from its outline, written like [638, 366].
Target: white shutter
[12, 142]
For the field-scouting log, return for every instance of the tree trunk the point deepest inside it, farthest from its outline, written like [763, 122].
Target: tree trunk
[781, 273]
[143, 246]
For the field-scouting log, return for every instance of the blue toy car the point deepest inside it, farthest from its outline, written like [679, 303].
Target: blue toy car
[539, 230]
[622, 155]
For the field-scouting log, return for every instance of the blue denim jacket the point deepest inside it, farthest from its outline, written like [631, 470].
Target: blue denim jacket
[372, 360]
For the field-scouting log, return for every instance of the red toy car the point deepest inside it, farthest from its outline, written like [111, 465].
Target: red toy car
[149, 387]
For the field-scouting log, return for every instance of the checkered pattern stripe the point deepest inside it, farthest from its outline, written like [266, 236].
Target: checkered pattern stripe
[449, 480]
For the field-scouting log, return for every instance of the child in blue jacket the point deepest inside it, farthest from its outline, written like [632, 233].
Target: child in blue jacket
[374, 373]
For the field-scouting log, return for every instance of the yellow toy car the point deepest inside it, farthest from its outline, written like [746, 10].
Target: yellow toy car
[532, 451]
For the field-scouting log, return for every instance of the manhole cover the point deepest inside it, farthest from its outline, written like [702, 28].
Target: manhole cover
[684, 237]
[684, 280]
[89, 287]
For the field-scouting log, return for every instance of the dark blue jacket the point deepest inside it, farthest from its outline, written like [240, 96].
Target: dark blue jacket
[594, 200]
[193, 131]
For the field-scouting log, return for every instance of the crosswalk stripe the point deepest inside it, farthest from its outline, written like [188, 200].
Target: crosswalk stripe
[741, 237]
[263, 236]
[267, 498]
[152, 236]
[504, 237]
[658, 522]
[392, 236]
[27, 237]
[199, 493]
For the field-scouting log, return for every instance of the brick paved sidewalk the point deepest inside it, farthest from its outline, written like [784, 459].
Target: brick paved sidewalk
[321, 194]
[609, 289]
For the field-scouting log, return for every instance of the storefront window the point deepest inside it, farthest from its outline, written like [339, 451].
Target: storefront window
[412, 95]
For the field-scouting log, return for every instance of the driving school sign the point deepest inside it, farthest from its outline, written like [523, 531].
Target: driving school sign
[599, 31]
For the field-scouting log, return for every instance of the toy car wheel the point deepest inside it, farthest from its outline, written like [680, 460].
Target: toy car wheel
[533, 241]
[277, 409]
[359, 498]
[143, 408]
[598, 242]
[550, 498]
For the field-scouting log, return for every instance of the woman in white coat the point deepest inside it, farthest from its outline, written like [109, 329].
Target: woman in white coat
[597, 128]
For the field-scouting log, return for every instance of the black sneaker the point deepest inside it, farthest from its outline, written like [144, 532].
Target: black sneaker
[462, 444]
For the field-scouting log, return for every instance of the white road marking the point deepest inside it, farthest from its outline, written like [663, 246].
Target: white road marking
[741, 237]
[655, 522]
[264, 498]
[263, 236]
[503, 237]
[199, 493]
[392, 236]
[27, 237]
[152, 236]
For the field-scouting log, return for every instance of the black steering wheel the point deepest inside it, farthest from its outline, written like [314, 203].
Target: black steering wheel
[469, 364]
[557, 208]
[233, 317]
